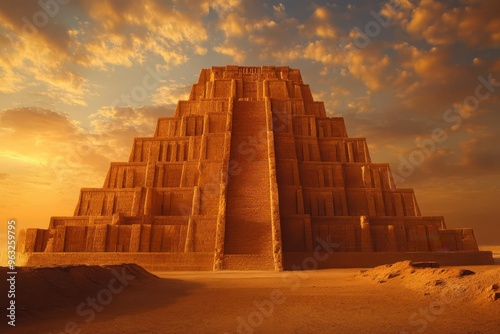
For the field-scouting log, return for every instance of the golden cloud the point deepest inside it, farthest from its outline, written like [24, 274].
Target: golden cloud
[36, 51]
[233, 25]
[235, 52]
[368, 66]
[476, 24]
[158, 28]
[171, 94]
[47, 55]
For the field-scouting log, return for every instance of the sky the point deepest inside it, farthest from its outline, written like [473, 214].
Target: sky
[419, 79]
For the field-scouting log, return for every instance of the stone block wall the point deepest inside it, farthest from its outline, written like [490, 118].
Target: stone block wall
[247, 168]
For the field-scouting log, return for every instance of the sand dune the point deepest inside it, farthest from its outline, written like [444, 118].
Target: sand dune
[42, 293]
[386, 299]
[449, 283]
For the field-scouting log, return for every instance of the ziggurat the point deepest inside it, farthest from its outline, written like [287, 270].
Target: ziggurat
[249, 173]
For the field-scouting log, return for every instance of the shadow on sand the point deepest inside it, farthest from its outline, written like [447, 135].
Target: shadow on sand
[64, 299]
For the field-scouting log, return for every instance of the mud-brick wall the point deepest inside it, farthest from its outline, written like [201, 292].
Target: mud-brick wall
[113, 238]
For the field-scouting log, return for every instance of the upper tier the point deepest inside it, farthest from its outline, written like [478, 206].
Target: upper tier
[253, 83]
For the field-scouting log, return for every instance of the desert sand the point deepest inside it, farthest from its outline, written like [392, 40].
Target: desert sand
[387, 299]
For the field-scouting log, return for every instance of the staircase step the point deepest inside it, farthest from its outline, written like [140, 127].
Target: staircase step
[248, 262]
[248, 209]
